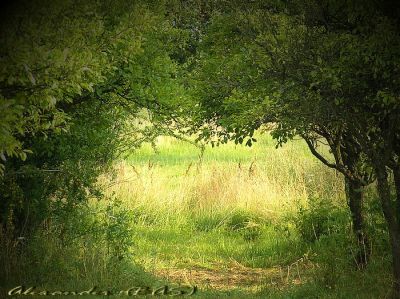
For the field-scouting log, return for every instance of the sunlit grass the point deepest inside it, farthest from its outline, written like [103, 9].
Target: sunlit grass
[174, 183]
[221, 209]
[231, 222]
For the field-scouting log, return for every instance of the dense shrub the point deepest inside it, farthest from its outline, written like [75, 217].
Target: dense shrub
[92, 241]
[320, 218]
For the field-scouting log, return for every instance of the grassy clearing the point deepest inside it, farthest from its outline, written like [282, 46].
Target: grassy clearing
[237, 222]
[261, 179]
[242, 222]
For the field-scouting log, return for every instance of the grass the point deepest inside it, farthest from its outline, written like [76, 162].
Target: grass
[229, 221]
[237, 222]
[262, 179]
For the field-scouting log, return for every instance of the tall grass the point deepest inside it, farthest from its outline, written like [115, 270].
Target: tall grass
[174, 183]
[278, 215]
[238, 222]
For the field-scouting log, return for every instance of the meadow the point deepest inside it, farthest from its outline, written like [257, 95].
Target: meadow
[236, 221]
[260, 220]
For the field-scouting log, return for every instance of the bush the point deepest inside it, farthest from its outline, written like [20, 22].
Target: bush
[321, 218]
[91, 243]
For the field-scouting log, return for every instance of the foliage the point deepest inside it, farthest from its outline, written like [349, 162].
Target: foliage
[320, 218]
[43, 69]
[80, 84]
[87, 81]
[91, 243]
[317, 70]
[84, 82]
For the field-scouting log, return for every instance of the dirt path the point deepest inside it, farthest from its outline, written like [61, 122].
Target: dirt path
[233, 276]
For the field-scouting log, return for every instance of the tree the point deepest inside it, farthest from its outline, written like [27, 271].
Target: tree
[77, 77]
[244, 77]
[317, 70]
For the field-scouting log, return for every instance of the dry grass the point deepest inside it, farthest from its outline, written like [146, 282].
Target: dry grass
[234, 275]
[263, 179]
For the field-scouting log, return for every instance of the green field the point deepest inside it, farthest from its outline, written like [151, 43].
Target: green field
[239, 220]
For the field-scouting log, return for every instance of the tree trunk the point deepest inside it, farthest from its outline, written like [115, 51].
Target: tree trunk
[396, 176]
[355, 198]
[393, 225]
